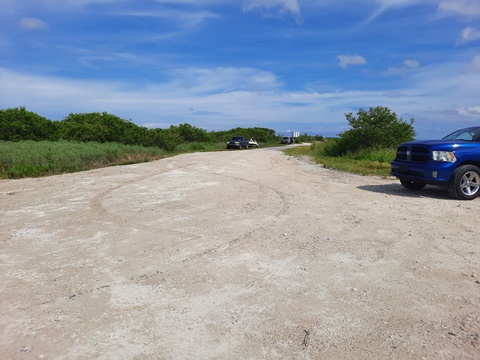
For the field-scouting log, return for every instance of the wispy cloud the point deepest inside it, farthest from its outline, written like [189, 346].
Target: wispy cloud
[202, 80]
[170, 61]
[475, 65]
[32, 23]
[346, 60]
[90, 61]
[473, 111]
[275, 8]
[470, 8]
[470, 34]
[411, 63]
[186, 18]
[244, 95]
[384, 5]
[407, 65]
[463, 8]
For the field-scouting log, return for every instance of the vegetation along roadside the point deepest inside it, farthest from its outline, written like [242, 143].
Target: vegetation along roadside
[367, 148]
[31, 145]
[368, 162]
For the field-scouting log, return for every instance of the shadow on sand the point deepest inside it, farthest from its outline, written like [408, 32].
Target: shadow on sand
[434, 192]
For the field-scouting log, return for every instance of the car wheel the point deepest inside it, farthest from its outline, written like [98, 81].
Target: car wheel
[410, 185]
[465, 182]
[246, 146]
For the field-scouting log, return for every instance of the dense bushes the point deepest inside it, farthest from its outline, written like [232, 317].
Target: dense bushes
[374, 129]
[101, 127]
[262, 135]
[19, 124]
[309, 138]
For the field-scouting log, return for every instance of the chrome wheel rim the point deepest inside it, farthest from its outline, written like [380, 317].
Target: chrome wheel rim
[470, 183]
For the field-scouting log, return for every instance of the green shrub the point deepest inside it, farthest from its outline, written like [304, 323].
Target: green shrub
[18, 124]
[374, 129]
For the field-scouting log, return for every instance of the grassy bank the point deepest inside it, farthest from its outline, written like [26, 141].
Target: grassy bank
[41, 158]
[31, 159]
[372, 162]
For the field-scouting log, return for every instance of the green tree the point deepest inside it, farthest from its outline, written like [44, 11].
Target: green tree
[102, 127]
[191, 133]
[167, 139]
[376, 128]
[263, 135]
[18, 124]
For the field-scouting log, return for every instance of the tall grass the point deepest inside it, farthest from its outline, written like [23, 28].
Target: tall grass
[366, 162]
[30, 158]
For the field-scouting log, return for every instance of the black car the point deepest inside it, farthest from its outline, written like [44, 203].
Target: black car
[237, 142]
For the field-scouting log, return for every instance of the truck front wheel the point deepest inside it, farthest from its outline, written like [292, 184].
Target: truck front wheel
[410, 185]
[465, 182]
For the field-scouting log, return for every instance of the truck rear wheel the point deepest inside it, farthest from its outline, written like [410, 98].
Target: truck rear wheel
[410, 185]
[465, 182]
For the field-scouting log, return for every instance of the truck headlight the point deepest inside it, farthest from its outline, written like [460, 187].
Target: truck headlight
[445, 156]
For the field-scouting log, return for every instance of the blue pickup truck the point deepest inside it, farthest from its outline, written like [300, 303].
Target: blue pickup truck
[453, 162]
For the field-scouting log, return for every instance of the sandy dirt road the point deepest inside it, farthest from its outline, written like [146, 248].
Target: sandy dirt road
[246, 254]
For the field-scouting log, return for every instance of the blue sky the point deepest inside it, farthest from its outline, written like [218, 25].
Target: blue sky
[288, 65]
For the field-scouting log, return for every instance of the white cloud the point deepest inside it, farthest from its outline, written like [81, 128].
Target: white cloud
[470, 111]
[407, 65]
[384, 5]
[223, 98]
[468, 8]
[347, 60]
[90, 59]
[461, 7]
[470, 34]
[279, 7]
[475, 65]
[188, 19]
[218, 90]
[32, 23]
[199, 80]
[411, 63]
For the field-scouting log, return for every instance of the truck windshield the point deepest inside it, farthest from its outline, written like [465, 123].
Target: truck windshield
[470, 134]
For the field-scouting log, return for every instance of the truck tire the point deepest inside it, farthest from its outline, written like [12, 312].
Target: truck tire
[465, 182]
[410, 185]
